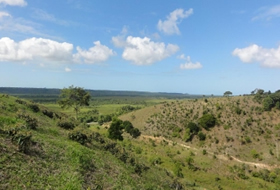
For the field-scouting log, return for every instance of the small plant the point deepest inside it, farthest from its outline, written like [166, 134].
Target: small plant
[204, 152]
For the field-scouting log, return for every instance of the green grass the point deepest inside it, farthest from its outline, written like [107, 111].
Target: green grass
[56, 162]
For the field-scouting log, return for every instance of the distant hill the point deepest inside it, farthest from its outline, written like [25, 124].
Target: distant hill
[51, 94]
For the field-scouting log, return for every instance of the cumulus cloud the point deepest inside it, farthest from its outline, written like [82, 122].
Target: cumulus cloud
[4, 14]
[170, 25]
[255, 53]
[189, 64]
[13, 2]
[267, 13]
[34, 48]
[143, 51]
[96, 54]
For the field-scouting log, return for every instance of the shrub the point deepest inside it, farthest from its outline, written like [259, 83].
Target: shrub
[193, 127]
[207, 121]
[31, 123]
[34, 107]
[79, 137]
[65, 124]
[135, 132]
[201, 136]
[268, 103]
[127, 125]
[238, 110]
[115, 130]
[23, 140]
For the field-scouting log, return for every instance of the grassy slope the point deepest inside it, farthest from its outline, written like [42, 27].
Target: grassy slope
[226, 139]
[55, 162]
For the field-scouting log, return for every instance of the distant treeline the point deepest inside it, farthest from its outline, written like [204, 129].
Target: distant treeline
[51, 95]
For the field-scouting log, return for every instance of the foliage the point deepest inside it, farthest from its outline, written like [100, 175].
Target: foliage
[201, 136]
[115, 130]
[78, 136]
[75, 97]
[31, 123]
[207, 121]
[23, 140]
[104, 118]
[268, 103]
[66, 124]
[34, 107]
[227, 93]
[127, 125]
[134, 132]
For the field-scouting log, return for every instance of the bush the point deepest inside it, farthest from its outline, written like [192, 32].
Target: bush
[207, 121]
[34, 107]
[31, 123]
[201, 136]
[79, 137]
[23, 140]
[115, 130]
[193, 127]
[135, 132]
[65, 124]
[127, 125]
[268, 103]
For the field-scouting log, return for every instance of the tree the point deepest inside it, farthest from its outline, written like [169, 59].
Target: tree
[115, 130]
[227, 93]
[268, 103]
[75, 97]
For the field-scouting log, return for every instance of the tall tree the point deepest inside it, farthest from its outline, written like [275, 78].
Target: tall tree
[227, 93]
[75, 97]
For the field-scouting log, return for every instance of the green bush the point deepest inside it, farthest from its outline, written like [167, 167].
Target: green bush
[34, 107]
[268, 103]
[31, 123]
[201, 136]
[65, 124]
[207, 121]
[115, 130]
[78, 136]
[135, 132]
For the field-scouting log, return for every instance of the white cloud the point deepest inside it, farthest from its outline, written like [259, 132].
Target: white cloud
[34, 49]
[119, 41]
[67, 69]
[13, 2]
[4, 14]
[170, 25]
[96, 54]
[189, 64]
[267, 13]
[143, 51]
[255, 53]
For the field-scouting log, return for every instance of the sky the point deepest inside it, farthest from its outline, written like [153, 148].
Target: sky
[184, 46]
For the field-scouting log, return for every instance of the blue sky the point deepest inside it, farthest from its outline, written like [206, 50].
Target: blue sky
[186, 46]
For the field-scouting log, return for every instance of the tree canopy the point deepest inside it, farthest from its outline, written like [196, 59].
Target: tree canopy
[75, 97]
[227, 93]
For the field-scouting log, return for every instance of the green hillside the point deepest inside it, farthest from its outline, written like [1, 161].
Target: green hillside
[37, 154]
[215, 143]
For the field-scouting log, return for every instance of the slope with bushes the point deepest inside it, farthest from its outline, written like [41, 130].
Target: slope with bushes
[43, 149]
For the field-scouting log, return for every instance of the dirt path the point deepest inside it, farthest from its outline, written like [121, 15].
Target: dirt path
[221, 157]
